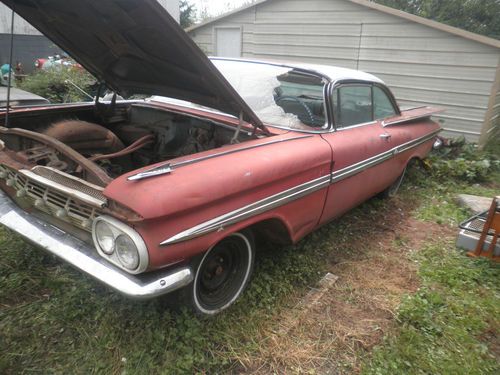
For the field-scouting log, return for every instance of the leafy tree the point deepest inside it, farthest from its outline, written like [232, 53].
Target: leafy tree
[478, 16]
[187, 13]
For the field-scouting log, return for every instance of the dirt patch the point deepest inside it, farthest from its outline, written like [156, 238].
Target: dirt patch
[375, 271]
[492, 339]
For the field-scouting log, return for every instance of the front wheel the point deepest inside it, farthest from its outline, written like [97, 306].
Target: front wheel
[223, 274]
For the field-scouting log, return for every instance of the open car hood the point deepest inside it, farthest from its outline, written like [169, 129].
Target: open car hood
[136, 47]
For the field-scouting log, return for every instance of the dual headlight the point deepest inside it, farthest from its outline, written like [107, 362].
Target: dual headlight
[120, 244]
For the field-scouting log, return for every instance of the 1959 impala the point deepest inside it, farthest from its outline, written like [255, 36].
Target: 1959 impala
[149, 196]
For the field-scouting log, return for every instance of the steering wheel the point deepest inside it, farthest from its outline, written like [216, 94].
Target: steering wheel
[302, 104]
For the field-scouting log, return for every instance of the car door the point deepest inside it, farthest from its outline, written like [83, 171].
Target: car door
[362, 163]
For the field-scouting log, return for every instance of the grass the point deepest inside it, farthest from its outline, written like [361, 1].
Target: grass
[451, 325]
[446, 326]
[54, 320]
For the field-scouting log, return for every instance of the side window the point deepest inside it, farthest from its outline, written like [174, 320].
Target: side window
[382, 105]
[353, 105]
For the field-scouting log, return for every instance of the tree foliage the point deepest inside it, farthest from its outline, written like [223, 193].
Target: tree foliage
[187, 13]
[477, 16]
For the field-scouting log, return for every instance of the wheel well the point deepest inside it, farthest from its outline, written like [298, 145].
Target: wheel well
[414, 160]
[272, 230]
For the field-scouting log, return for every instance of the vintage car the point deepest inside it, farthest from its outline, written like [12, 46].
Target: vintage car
[151, 196]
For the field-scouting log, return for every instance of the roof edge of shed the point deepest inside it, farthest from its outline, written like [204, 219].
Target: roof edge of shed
[381, 8]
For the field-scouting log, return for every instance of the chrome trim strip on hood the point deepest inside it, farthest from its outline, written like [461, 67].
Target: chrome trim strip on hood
[169, 167]
[84, 257]
[289, 195]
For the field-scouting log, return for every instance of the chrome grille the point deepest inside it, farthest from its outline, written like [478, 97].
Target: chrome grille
[69, 181]
[50, 201]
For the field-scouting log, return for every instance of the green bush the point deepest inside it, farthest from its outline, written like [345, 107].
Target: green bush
[464, 161]
[53, 84]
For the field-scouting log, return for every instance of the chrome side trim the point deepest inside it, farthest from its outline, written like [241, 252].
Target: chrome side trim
[351, 170]
[380, 158]
[286, 196]
[169, 167]
[266, 204]
[84, 257]
[416, 142]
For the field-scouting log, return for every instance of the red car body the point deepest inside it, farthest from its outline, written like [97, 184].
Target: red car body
[275, 181]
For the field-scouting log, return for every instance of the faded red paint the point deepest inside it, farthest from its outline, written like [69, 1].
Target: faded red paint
[199, 192]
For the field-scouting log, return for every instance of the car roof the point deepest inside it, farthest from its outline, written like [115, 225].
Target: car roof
[332, 73]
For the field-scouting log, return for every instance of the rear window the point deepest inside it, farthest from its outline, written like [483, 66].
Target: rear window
[278, 95]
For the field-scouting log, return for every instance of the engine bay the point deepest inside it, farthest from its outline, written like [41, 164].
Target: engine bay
[99, 142]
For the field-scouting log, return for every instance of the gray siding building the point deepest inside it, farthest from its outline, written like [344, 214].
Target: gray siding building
[423, 62]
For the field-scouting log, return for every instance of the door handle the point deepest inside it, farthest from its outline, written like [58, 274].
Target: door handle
[385, 136]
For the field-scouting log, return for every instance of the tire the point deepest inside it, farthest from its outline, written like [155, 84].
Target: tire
[392, 190]
[222, 274]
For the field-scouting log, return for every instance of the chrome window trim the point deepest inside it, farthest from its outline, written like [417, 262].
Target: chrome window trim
[384, 88]
[221, 222]
[357, 125]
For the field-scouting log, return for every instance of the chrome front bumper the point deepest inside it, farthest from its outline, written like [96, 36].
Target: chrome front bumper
[84, 257]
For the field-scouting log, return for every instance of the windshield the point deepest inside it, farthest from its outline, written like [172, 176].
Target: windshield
[278, 95]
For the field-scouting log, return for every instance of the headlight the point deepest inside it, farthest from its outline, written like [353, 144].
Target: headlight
[127, 252]
[120, 244]
[105, 237]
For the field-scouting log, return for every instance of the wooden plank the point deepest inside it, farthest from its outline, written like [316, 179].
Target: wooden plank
[491, 118]
[360, 16]
[329, 28]
[345, 63]
[301, 6]
[417, 42]
[432, 58]
[307, 40]
[448, 84]
[486, 74]
[441, 98]
[301, 50]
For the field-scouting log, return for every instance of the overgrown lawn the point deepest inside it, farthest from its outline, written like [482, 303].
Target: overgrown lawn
[55, 320]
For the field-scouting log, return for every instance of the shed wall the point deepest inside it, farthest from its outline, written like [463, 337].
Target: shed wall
[21, 27]
[421, 65]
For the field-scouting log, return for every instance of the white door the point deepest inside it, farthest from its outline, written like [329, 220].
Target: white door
[228, 42]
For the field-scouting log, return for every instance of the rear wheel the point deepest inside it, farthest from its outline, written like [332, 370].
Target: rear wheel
[223, 274]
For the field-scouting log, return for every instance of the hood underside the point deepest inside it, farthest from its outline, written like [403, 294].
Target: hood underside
[136, 47]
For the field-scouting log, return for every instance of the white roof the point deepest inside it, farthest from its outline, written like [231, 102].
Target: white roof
[333, 73]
